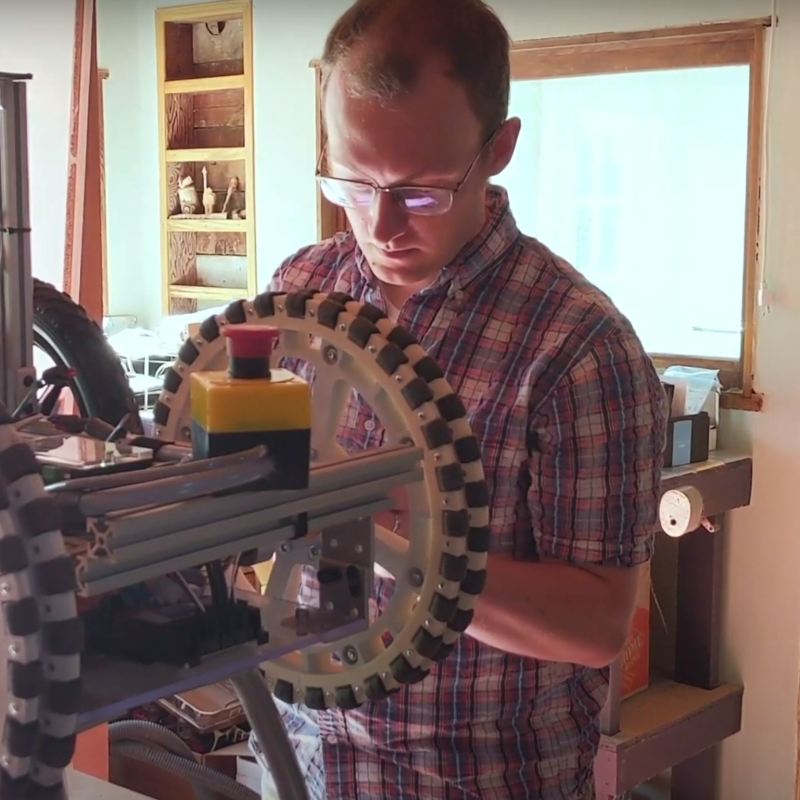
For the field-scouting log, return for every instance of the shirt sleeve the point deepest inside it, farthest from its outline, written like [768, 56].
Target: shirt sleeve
[596, 448]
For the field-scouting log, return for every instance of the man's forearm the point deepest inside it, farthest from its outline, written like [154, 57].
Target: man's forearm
[555, 611]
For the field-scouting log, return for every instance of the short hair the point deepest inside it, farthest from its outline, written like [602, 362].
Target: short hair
[466, 32]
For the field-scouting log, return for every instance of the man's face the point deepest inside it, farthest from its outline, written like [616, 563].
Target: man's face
[426, 138]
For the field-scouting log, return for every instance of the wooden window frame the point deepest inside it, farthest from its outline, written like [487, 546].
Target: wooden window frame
[723, 44]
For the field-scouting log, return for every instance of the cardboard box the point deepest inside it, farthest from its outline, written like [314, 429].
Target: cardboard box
[635, 657]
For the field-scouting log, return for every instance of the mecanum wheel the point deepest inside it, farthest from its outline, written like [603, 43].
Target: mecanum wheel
[41, 636]
[440, 569]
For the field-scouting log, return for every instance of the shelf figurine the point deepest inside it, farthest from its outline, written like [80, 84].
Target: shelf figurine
[187, 195]
[233, 186]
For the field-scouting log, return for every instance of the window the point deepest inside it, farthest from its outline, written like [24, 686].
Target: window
[639, 162]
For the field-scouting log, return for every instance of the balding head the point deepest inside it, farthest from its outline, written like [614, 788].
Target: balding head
[385, 45]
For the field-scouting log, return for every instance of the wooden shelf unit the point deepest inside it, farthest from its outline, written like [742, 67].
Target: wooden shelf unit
[205, 82]
[676, 723]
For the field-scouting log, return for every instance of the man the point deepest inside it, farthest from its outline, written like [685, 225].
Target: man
[564, 401]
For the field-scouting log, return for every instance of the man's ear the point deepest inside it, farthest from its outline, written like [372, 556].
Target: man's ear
[504, 144]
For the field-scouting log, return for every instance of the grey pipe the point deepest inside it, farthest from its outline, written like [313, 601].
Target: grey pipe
[201, 777]
[139, 730]
[267, 726]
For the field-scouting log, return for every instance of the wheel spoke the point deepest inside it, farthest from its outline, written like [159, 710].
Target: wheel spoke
[390, 550]
[330, 396]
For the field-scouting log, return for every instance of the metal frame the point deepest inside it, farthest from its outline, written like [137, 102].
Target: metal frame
[16, 282]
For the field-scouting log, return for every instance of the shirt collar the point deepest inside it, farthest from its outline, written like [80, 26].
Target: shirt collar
[498, 234]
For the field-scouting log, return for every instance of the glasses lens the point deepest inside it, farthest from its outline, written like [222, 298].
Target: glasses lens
[349, 194]
[424, 201]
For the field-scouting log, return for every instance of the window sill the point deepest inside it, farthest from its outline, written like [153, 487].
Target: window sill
[737, 400]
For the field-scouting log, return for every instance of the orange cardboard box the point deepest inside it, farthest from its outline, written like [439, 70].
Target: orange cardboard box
[635, 658]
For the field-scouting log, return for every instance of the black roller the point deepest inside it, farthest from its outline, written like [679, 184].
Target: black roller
[209, 330]
[172, 381]
[56, 753]
[160, 413]
[451, 407]
[26, 680]
[461, 620]
[188, 352]
[345, 697]
[328, 313]
[453, 568]
[474, 581]
[63, 638]
[404, 673]
[360, 330]
[295, 303]
[22, 616]
[428, 369]
[437, 433]
[39, 516]
[443, 608]
[477, 494]
[468, 449]
[16, 462]
[417, 392]
[235, 312]
[63, 697]
[13, 556]
[455, 523]
[56, 576]
[264, 304]
[478, 539]
[401, 337]
[284, 691]
[371, 312]
[315, 698]
[427, 644]
[450, 477]
[391, 358]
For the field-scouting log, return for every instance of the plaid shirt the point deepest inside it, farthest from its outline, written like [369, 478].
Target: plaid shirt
[570, 416]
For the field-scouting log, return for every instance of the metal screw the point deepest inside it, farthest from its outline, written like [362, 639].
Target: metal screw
[5, 590]
[330, 354]
[314, 551]
[343, 327]
[286, 547]
[354, 614]
[358, 548]
[416, 577]
[313, 454]
[186, 432]
[329, 605]
[333, 543]
[13, 650]
[280, 307]
[350, 654]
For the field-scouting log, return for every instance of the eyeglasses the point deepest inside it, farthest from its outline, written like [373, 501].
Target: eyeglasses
[425, 201]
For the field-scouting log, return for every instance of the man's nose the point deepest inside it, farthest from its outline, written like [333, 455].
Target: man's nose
[388, 219]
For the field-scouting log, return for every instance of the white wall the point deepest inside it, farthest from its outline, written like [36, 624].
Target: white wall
[36, 36]
[760, 639]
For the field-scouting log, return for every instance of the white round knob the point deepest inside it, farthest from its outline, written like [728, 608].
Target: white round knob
[680, 511]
